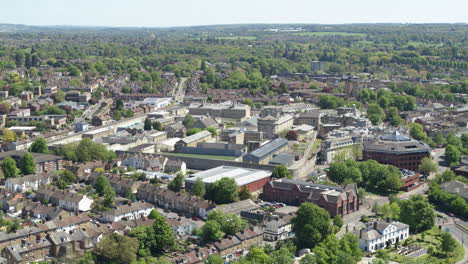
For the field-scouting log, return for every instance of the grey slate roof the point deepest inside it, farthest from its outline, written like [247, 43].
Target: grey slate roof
[196, 136]
[269, 148]
[282, 159]
[456, 187]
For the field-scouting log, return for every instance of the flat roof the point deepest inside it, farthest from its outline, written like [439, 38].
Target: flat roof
[99, 130]
[242, 176]
[22, 128]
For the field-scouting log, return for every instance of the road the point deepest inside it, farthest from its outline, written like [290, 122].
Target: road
[88, 113]
[448, 224]
[438, 156]
[180, 90]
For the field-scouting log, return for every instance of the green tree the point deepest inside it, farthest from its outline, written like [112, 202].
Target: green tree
[427, 166]
[73, 70]
[375, 114]
[39, 146]
[214, 259]
[257, 255]
[176, 185]
[308, 259]
[311, 225]
[163, 234]
[448, 244]
[119, 105]
[87, 150]
[198, 188]
[327, 251]
[338, 221]
[59, 96]
[281, 171]
[8, 136]
[211, 231]
[330, 102]
[115, 248]
[101, 183]
[147, 126]
[157, 126]
[229, 223]
[439, 138]
[248, 102]
[9, 168]
[417, 131]
[244, 193]
[108, 196]
[393, 117]
[188, 121]
[223, 191]
[418, 213]
[153, 214]
[349, 244]
[282, 256]
[27, 164]
[212, 130]
[452, 155]
[446, 176]
[67, 176]
[193, 131]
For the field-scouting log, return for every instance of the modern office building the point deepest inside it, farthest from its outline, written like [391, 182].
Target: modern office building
[397, 150]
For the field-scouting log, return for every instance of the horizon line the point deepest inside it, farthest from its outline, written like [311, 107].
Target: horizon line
[237, 24]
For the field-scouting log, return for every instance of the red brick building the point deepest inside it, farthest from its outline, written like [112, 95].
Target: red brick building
[44, 162]
[411, 180]
[336, 200]
[397, 150]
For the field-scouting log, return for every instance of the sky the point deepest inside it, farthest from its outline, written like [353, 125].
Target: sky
[169, 13]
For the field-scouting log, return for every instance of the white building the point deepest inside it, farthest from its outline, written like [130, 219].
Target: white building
[278, 228]
[76, 202]
[184, 226]
[26, 183]
[381, 234]
[155, 102]
[131, 211]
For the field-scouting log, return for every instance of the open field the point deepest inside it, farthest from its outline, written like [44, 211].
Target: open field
[326, 34]
[238, 37]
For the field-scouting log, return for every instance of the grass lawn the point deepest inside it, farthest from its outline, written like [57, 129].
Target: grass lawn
[198, 156]
[429, 238]
[326, 34]
[316, 145]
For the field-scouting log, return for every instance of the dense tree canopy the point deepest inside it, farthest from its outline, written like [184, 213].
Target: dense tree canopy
[418, 213]
[9, 168]
[223, 191]
[281, 171]
[369, 174]
[39, 146]
[27, 164]
[311, 225]
[115, 248]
